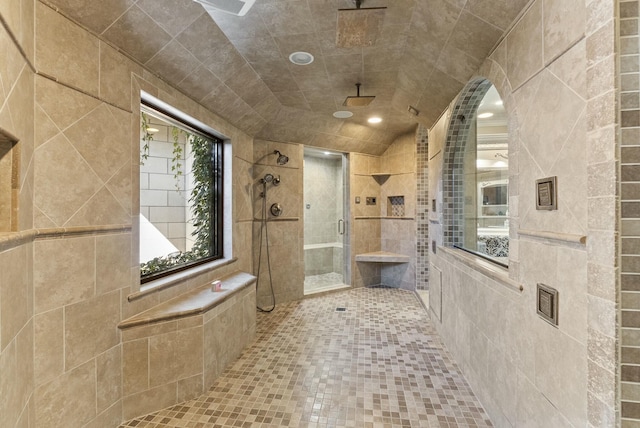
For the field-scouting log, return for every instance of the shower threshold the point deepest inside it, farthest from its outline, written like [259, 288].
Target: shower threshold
[324, 282]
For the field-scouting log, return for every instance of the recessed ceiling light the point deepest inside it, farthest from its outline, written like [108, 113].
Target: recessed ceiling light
[374, 120]
[301, 58]
[152, 130]
[499, 102]
[484, 115]
[342, 114]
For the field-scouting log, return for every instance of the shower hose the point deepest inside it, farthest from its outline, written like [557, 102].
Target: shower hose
[264, 227]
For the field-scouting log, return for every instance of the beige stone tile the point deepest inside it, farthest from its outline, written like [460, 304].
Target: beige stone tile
[121, 185]
[110, 418]
[60, 43]
[96, 17]
[570, 365]
[103, 139]
[115, 77]
[64, 272]
[571, 282]
[14, 63]
[602, 383]
[135, 366]
[524, 46]
[534, 406]
[91, 328]
[174, 62]
[172, 16]
[137, 34]
[474, 36]
[46, 129]
[149, 401]
[190, 388]
[175, 356]
[48, 345]
[101, 209]
[63, 182]
[10, 404]
[564, 24]
[15, 291]
[77, 386]
[113, 262]
[109, 378]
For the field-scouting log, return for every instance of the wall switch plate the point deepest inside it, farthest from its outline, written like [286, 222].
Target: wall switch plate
[371, 200]
[357, 199]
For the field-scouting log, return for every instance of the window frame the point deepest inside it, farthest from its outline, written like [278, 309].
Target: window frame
[462, 118]
[182, 120]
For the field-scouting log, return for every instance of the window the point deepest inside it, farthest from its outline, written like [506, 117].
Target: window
[180, 192]
[477, 181]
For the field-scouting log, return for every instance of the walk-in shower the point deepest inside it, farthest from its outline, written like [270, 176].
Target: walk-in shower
[326, 243]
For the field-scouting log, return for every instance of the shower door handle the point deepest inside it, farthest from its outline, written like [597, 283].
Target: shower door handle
[341, 227]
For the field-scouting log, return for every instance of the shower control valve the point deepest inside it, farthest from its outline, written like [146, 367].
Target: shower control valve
[276, 210]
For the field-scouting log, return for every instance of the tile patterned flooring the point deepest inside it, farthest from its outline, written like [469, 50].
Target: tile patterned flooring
[378, 363]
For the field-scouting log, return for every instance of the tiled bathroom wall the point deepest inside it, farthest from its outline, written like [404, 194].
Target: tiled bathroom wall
[423, 205]
[554, 70]
[67, 272]
[17, 405]
[374, 227]
[280, 268]
[630, 215]
[398, 230]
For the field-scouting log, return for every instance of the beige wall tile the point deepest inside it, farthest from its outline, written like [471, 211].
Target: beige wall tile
[174, 356]
[64, 272]
[115, 76]
[113, 262]
[524, 46]
[149, 401]
[564, 24]
[109, 378]
[110, 418]
[15, 291]
[48, 345]
[91, 328]
[190, 388]
[135, 366]
[77, 386]
[102, 138]
[59, 44]
[63, 181]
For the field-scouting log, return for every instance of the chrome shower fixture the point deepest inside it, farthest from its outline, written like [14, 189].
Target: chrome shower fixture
[268, 178]
[282, 159]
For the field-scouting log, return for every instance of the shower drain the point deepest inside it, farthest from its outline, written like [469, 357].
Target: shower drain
[341, 309]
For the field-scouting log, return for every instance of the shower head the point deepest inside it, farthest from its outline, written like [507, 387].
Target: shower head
[282, 159]
[268, 178]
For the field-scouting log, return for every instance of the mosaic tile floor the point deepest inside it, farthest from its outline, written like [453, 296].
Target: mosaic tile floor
[377, 363]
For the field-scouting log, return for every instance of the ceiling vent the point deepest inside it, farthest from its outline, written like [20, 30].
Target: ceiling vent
[358, 101]
[234, 7]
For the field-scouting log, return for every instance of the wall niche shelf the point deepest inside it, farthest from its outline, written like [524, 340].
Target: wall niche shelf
[382, 257]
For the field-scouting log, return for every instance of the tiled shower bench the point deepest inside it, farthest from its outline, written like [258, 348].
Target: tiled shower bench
[174, 351]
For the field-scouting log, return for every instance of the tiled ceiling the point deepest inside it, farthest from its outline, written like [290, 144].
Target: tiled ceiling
[239, 66]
